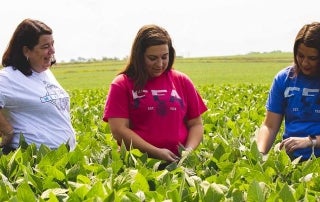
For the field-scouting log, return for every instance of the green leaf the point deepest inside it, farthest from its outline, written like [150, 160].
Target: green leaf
[97, 190]
[83, 179]
[56, 173]
[139, 183]
[57, 191]
[82, 190]
[285, 194]
[110, 198]
[218, 152]
[173, 195]
[255, 192]
[213, 193]
[22, 142]
[25, 193]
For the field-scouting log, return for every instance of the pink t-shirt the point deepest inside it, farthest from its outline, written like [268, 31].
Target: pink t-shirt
[158, 113]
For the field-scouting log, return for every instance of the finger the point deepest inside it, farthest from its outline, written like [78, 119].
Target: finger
[281, 145]
[292, 148]
[175, 157]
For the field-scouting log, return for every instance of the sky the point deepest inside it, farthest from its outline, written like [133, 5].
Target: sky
[198, 28]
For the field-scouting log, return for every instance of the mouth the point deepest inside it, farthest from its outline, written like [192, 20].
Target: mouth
[306, 69]
[157, 69]
[50, 59]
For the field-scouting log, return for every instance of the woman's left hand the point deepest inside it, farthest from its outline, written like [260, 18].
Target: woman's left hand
[293, 143]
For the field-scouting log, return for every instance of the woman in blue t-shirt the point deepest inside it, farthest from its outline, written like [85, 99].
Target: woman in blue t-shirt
[295, 97]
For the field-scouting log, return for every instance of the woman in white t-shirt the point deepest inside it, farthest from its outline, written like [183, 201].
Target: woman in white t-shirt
[32, 102]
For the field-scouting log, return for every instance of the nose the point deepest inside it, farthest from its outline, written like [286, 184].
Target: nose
[305, 61]
[52, 50]
[159, 62]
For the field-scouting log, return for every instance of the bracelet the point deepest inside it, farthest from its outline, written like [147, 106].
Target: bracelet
[313, 140]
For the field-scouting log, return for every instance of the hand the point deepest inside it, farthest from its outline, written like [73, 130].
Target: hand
[167, 155]
[5, 138]
[293, 143]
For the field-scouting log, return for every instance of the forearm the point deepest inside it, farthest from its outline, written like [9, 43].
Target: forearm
[195, 136]
[5, 126]
[6, 130]
[133, 140]
[265, 139]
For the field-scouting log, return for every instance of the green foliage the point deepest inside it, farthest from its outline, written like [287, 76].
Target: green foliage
[225, 167]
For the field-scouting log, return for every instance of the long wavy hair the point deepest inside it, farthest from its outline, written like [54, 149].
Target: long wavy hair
[309, 35]
[148, 35]
[26, 34]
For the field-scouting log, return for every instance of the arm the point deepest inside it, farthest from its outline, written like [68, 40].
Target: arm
[121, 132]
[6, 130]
[195, 133]
[268, 131]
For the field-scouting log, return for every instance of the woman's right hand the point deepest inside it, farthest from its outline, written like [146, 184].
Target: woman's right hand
[167, 155]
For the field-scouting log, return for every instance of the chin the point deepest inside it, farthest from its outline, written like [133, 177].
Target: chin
[156, 75]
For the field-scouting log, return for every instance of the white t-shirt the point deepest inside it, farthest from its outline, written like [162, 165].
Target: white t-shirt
[38, 107]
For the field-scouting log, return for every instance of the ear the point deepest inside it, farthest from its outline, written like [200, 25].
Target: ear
[25, 51]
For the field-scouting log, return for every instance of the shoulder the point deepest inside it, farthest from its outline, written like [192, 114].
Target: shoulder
[6, 70]
[175, 74]
[10, 77]
[49, 73]
[285, 73]
[120, 79]
[10, 73]
[284, 77]
[181, 79]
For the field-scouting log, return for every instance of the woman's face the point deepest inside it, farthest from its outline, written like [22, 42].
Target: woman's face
[156, 59]
[308, 59]
[42, 54]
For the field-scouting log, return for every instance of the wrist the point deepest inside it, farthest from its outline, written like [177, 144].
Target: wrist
[189, 149]
[313, 140]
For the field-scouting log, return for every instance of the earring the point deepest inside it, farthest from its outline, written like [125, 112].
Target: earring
[27, 58]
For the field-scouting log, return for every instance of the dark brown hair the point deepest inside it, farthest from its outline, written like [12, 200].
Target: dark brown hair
[309, 35]
[148, 35]
[26, 34]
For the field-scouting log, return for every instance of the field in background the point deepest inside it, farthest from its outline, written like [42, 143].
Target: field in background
[259, 68]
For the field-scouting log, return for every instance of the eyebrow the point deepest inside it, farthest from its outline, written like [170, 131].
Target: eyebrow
[156, 55]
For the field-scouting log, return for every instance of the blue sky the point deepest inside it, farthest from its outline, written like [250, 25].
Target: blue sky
[106, 28]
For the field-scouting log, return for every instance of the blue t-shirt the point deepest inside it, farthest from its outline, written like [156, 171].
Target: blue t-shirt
[298, 99]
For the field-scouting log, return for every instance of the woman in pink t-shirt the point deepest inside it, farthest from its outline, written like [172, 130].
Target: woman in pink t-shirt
[150, 106]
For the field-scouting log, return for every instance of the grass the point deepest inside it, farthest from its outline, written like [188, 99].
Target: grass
[253, 68]
[86, 75]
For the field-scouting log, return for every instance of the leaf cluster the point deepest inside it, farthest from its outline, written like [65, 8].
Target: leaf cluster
[225, 167]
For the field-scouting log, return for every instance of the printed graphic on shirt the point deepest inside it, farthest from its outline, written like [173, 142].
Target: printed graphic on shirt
[55, 96]
[304, 102]
[161, 100]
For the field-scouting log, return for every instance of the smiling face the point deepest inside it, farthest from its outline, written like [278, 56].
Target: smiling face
[308, 60]
[156, 59]
[42, 54]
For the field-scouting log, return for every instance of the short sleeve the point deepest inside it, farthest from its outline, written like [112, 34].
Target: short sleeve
[117, 100]
[276, 100]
